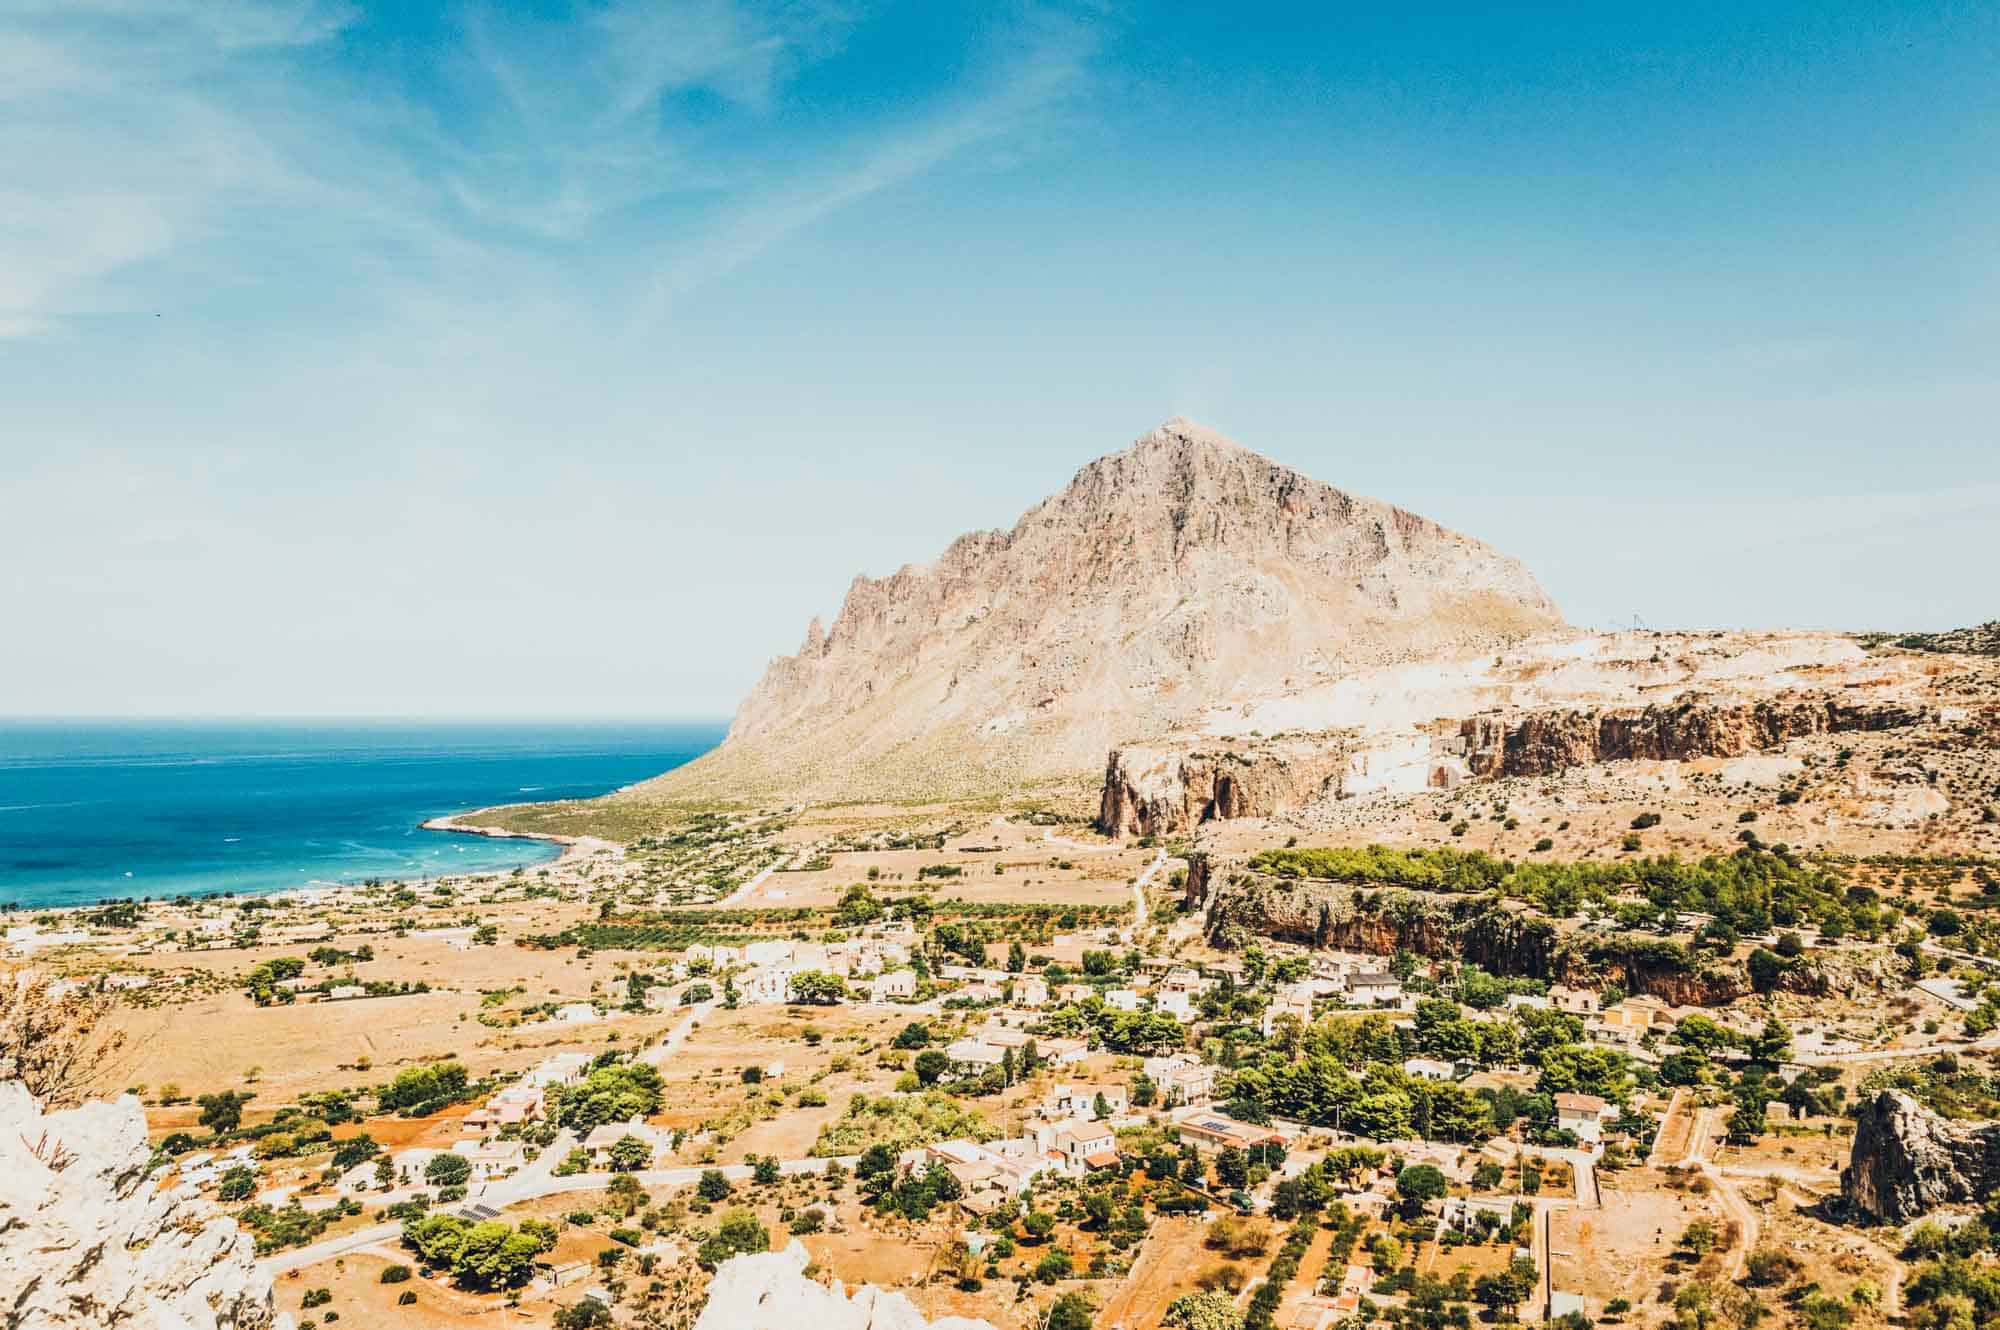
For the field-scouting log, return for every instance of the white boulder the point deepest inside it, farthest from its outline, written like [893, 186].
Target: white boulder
[88, 1240]
[770, 1291]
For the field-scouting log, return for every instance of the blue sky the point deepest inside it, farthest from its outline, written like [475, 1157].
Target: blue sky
[376, 359]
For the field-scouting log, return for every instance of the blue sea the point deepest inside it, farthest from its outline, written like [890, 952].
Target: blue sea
[94, 810]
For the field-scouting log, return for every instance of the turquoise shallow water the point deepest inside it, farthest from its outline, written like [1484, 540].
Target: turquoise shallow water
[91, 810]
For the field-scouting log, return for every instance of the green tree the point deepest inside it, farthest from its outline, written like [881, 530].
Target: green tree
[1773, 1044]
[614, 1092]
[1766, 969]
[737, 1234]
[713, 1186]
[1072, 1311]
[448, 1169]
[817, 988]
[1419, 1183]
[222, 1112]
[588, 1314]
[493, 1255]
[629, 1154]
[1203, 1311]
[435, 1238]
[238, 1184]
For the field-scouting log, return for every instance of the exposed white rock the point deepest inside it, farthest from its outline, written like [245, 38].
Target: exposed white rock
[770, 1291]
[1182, 573]
[87, 1239]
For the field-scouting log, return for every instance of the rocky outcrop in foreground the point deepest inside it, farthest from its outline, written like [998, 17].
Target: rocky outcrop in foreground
[1156, 792]
[770, 1291]
[1545, 742]
[1907, 1160]
[87, 1240]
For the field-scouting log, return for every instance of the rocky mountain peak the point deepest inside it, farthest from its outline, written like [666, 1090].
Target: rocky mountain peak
[1168, 577]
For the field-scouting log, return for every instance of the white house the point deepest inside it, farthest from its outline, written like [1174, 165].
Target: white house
[1062, 1052]
[558, 1069]
[1080, 1101]
[1031, 991]
[1295, 1000]
[410, 1164]
[894, 985]
[975, 1052]
[1373, 988]
[1582, 1114]
[1463, 1212]
[1182, 1079]
[1121, 999]
[600, 1140]
[768, 953]
[492, 1159]
[770, 986]
[1078, 1145]
[1429, 1069]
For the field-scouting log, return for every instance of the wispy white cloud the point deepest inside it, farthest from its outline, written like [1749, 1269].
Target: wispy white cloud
[1035, 76]
[149, 144]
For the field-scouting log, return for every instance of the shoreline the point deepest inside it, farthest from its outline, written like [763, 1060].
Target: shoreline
[573, 847]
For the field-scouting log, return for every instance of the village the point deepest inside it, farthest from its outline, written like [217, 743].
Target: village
[992, 1105]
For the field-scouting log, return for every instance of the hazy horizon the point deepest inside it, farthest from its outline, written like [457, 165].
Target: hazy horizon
[563, 360]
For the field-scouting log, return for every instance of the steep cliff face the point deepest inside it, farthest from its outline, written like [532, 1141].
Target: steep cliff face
[1164, 580]
[1544, 742]
[1496, 937]
[87, 1241]
[1907, 1160]
[1156, 792]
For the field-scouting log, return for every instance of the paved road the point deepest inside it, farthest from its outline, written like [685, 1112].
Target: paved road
[1936, 950]
[531, 1184]
[744, 892]
[1984, 1044]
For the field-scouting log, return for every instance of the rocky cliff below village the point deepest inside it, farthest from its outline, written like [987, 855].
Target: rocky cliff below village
[1692, 726]
[771, 1291]
[1171, 788]
[1151, 791]
[87, 1241]
[1907, 1161]
[1180, 574]
[1500, 936]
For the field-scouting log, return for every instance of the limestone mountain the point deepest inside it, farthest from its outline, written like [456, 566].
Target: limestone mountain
[1180, 574]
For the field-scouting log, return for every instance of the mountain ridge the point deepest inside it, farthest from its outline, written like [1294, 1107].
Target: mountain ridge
[1164, 578]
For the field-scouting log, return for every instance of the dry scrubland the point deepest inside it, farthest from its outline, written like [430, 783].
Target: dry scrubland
[676, 877]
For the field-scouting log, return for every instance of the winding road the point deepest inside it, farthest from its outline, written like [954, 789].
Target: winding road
[1139, 889]
[528, 1186]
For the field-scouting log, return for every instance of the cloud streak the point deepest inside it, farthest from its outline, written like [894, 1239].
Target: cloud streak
[145, 138]
[1027, 85]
